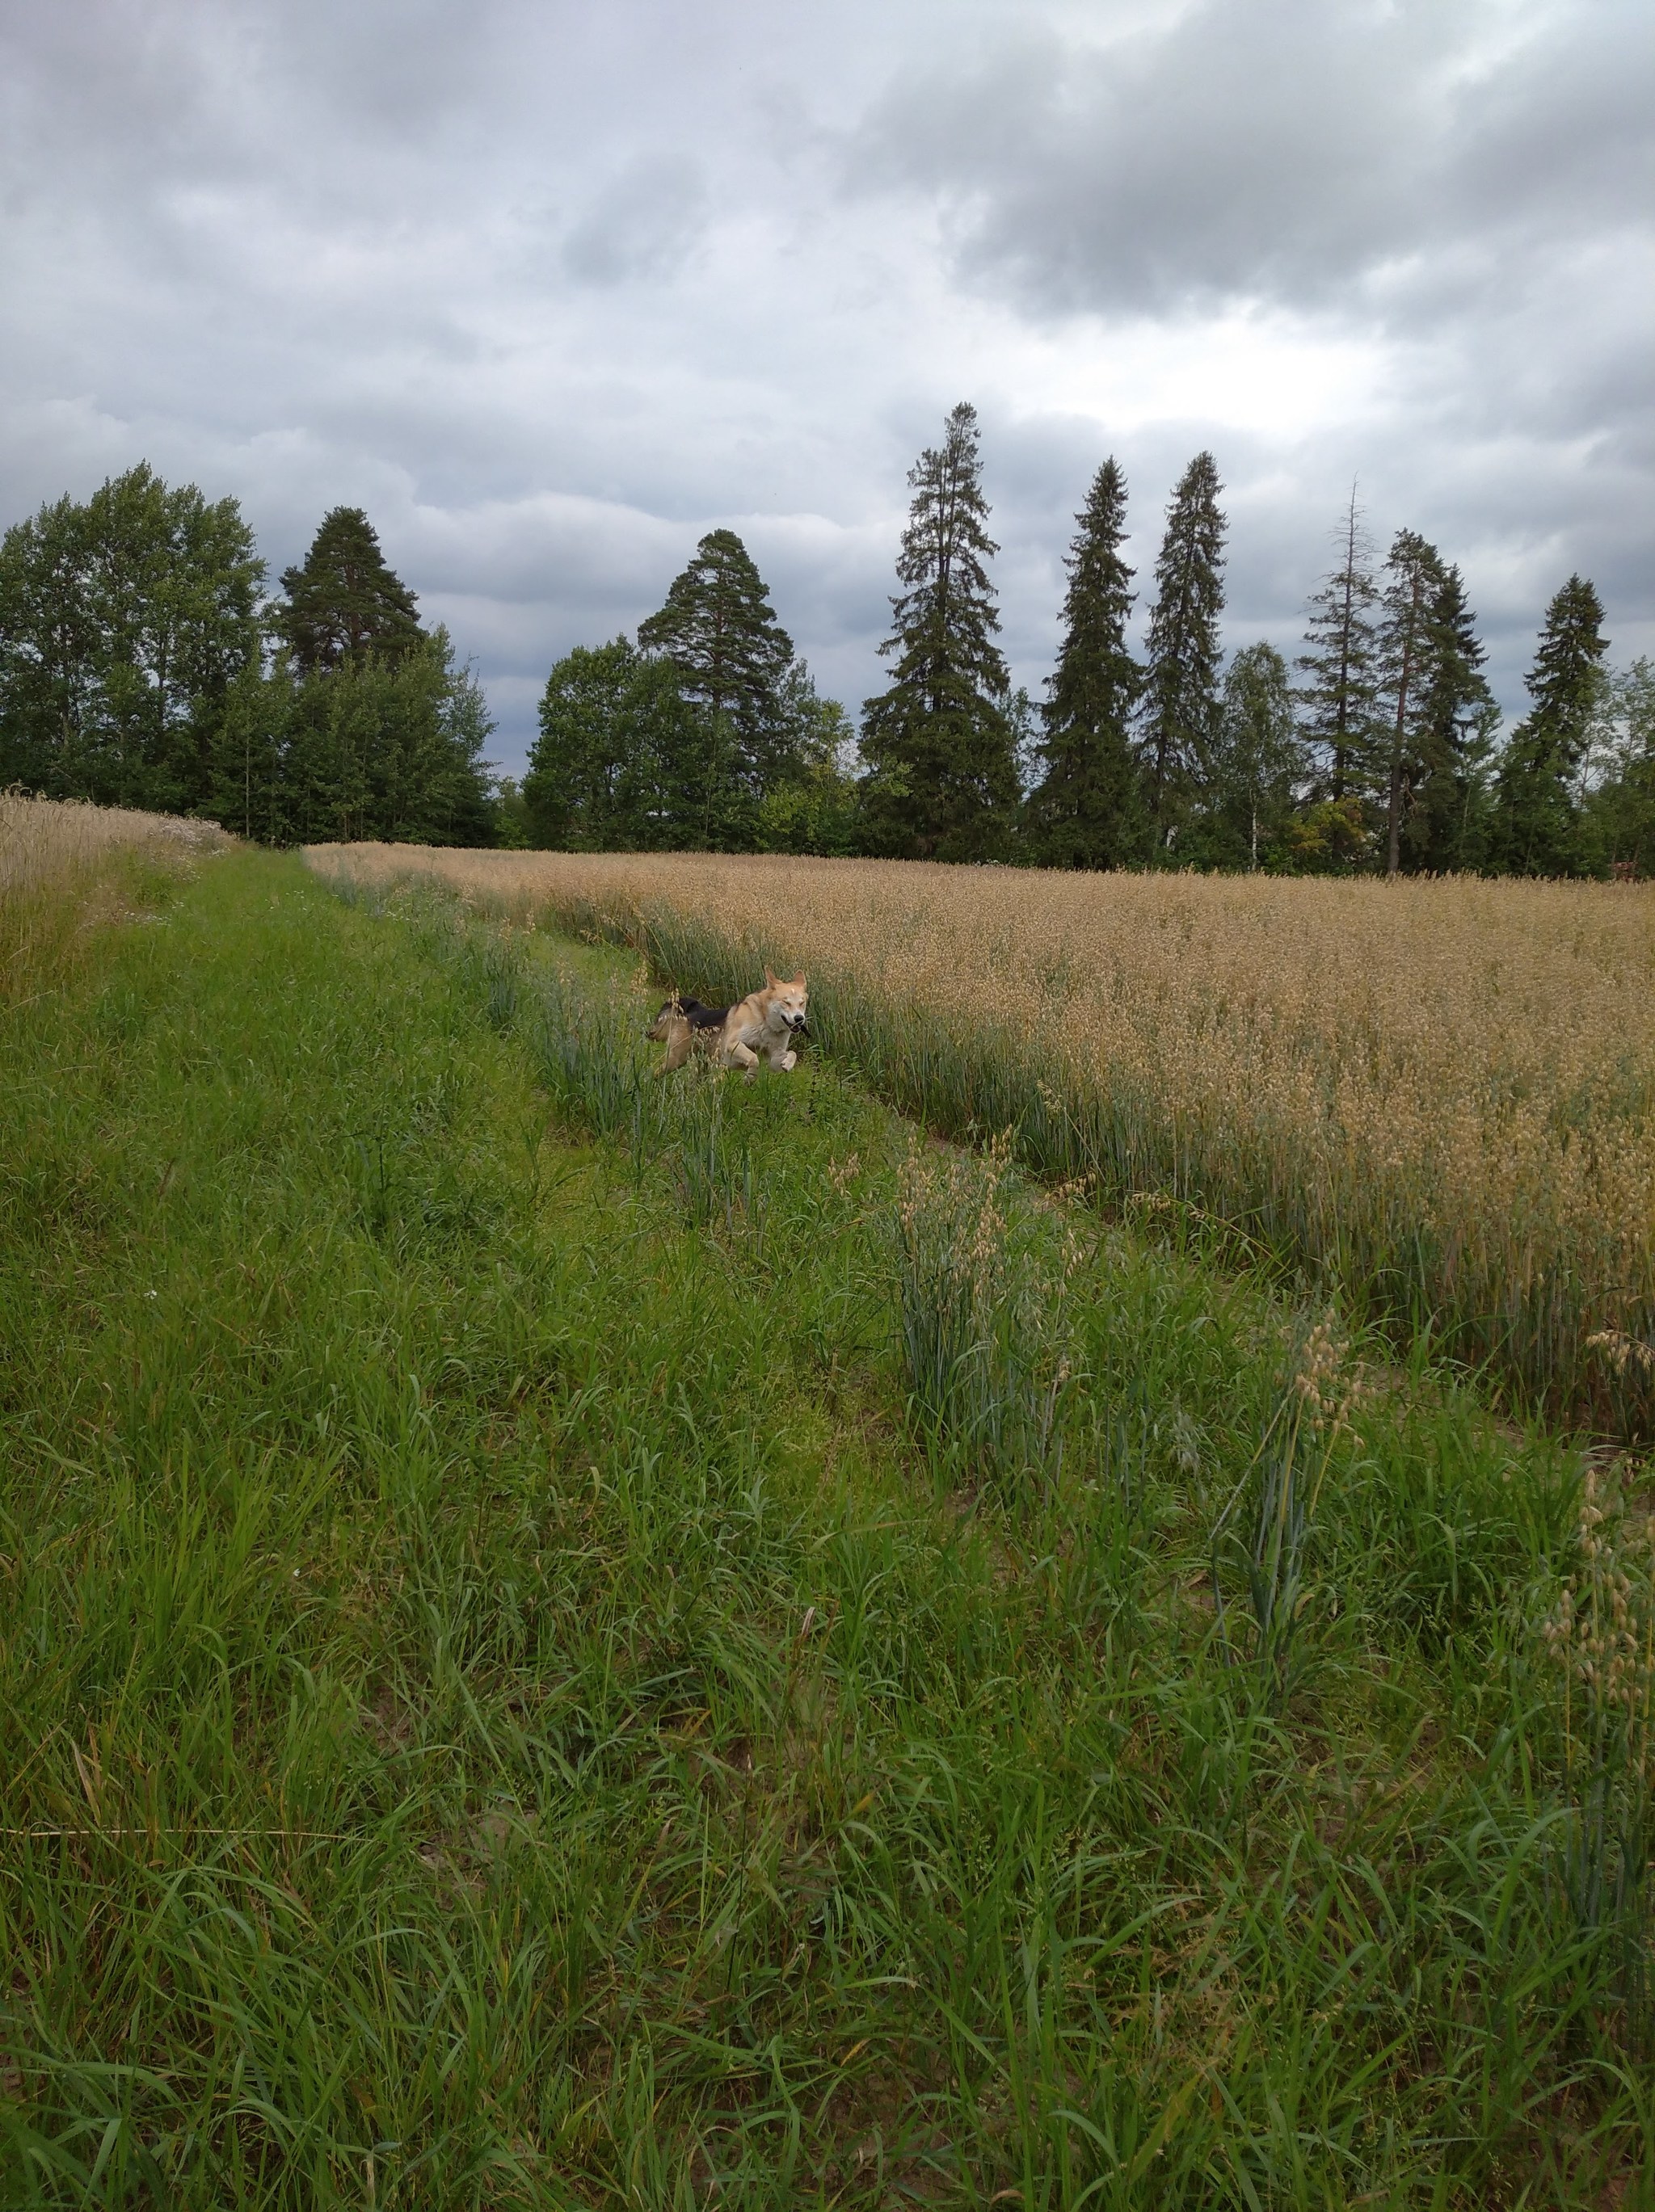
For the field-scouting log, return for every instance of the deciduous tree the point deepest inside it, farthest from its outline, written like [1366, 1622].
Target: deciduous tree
[126, 622]
[248, 780]
[1258, 767]
[389, 748]
[624, 761]
[1620, 809]
[813, 807]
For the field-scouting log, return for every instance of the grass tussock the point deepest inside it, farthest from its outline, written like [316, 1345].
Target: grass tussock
[54, 855]
[1442, 1094]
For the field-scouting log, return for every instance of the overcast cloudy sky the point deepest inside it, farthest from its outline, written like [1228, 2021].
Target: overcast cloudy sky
[553, 286]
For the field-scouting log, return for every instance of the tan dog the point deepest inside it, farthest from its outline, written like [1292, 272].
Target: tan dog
[684, 1026]
[764, 1023]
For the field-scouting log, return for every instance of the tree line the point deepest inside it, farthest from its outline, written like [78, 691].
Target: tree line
[1377, 750]
[142, 663]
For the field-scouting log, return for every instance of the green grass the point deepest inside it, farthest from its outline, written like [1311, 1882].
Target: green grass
[517, 1690]
[1526, 1322]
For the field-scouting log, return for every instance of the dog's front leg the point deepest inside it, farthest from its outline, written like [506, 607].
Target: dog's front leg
[740, 1054]
[780, 1057]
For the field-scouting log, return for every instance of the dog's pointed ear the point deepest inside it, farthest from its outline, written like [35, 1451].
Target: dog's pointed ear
[771, 979]
[800, 979]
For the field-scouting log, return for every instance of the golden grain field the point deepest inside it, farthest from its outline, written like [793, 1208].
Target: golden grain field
[1441, 1091]
[51, 851]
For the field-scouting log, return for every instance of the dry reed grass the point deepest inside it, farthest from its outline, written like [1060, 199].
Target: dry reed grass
[1440, 1090]
[53, 853]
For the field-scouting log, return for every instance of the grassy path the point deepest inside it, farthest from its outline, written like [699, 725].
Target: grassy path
[508, 1697]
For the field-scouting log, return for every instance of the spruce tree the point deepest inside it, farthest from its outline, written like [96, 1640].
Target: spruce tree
[1413, 574]
[1181, 706]
[1536, 808]
[720, 631]
[1457, 714]
[346, 601]
[1338, 699]
[942, 781]
[1088, 810]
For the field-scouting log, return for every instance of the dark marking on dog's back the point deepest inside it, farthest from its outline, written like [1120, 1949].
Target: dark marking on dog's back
[697, 1016]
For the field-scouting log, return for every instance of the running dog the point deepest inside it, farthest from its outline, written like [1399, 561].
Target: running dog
[764, 1023]
[685, 1026]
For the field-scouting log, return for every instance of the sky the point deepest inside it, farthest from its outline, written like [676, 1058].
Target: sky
[551, 288]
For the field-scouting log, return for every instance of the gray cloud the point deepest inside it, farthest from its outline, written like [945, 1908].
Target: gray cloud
[1363, 155]
[551, 289]
[641, 225]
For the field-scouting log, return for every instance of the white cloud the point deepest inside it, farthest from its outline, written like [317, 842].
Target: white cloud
[550, 289]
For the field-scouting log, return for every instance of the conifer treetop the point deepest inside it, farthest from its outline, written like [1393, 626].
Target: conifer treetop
[1536, 807]
[1087, 811]
[944, 623]
[1095, 674]
[1457, 721]
[1458, 696]
[1338, 699]
[1181, 693]
[1565, 679]
[718, 628]
[943, 777]
[346, 601]
[1401, 663]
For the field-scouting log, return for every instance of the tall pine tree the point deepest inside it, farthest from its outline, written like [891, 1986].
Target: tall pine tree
[720, 631]
[1338, 698]
[943, 779]
[346, 601]
[1088, 810]
[1413, 572]
[1181, 704]
[1442, 831]
[1536, 807]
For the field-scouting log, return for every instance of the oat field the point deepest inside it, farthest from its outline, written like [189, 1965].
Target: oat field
[51, 851]
[1438, 1092]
